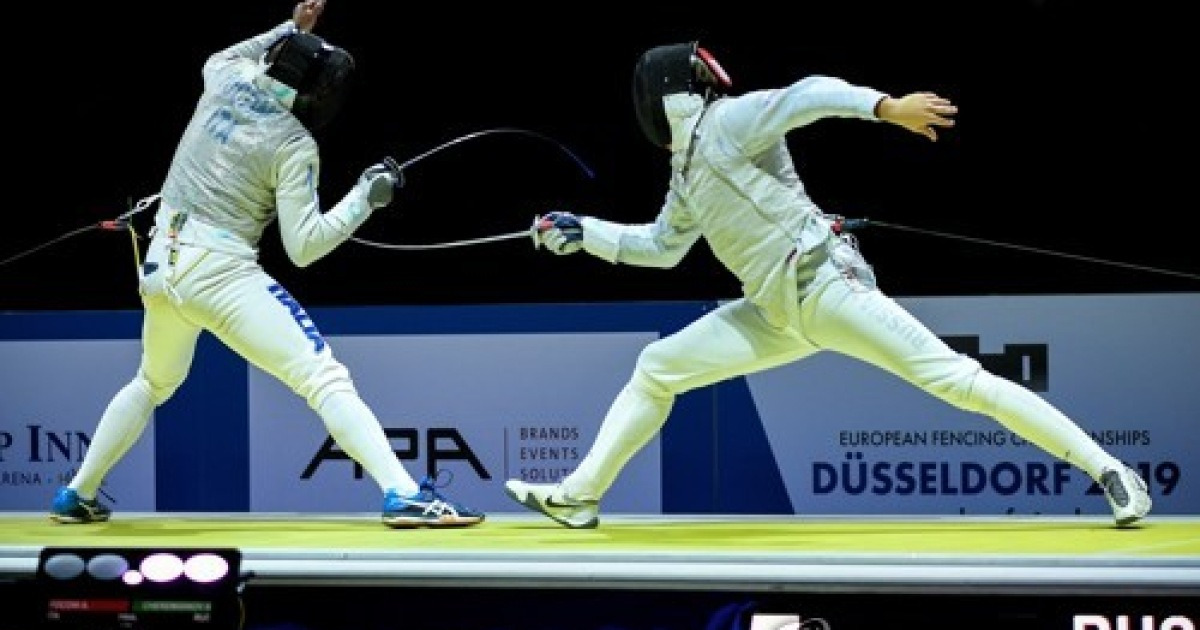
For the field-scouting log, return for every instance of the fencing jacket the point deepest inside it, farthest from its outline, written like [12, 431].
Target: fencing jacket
[733, 183]
[245, 160]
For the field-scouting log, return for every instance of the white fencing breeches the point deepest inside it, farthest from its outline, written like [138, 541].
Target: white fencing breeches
[836, 315]
[248, 311]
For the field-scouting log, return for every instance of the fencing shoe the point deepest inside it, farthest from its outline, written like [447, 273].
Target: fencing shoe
[545, 498]
[1127, 494]
[69, 507]
[426, 508]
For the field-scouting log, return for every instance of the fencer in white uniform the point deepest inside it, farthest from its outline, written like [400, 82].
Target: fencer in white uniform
[248, 158]
[806, 287]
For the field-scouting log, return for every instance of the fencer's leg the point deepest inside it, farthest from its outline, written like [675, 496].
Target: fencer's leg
[359, 433]
[873, 327]
[732, 340]
[256, 318]
[168, 345]
[633, 418]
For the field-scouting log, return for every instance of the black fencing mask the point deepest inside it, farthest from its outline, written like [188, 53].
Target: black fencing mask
[671, 69]
[319, 73]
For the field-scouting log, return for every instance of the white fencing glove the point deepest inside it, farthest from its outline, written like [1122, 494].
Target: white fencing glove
[559, 232]
[382, 180]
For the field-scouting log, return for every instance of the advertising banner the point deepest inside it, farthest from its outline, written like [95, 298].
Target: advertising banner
[472, 409]
[52, 394]
[851, 439]
[480, 395]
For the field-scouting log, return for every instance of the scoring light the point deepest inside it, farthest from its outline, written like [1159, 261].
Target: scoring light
[206, 567]
[64, 566]
[107, 566]
[162, 567]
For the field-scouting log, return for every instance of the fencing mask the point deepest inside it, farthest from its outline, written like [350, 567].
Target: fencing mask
[317, 71]
[671, 69]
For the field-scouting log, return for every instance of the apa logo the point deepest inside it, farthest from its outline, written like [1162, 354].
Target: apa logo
[1128, 622]
[440, 444]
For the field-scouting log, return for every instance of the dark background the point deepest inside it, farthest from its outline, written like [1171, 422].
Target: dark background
[1068, 170]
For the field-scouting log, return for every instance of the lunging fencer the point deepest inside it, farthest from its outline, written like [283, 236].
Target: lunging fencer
[806, 286]
[247, 158]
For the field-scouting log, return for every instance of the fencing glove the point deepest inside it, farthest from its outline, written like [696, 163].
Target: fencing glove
[381, 181]
[559, 232]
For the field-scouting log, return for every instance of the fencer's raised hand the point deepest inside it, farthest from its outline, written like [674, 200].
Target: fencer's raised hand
[919, 112]
[560, 232]
[381, 181]
[305, 14]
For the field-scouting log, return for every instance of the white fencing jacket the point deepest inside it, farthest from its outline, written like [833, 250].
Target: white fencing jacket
[245, 160]
[734, 183]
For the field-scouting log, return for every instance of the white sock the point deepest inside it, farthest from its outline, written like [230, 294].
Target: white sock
[1037, 421]
[633, 419]
[119, 428]
[357, 432]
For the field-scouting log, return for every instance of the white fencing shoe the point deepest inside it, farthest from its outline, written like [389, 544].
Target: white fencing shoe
[1127, 494]
[546, 498]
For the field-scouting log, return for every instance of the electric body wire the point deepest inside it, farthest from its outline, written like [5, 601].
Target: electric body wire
[857, 224]
[1026, 248]
[123, 222]
[57, 239]
[120, 223]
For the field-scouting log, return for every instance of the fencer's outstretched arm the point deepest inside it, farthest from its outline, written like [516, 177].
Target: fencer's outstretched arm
[660, 244]
[759, 119]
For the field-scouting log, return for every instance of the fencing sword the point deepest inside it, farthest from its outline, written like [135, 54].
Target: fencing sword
[123, 221]
[507, 236]
[845, 225]
[399, 168]
[840, 225]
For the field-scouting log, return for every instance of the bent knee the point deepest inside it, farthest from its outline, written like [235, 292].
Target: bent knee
[318, 379]
[650, 376]
[158, 389]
